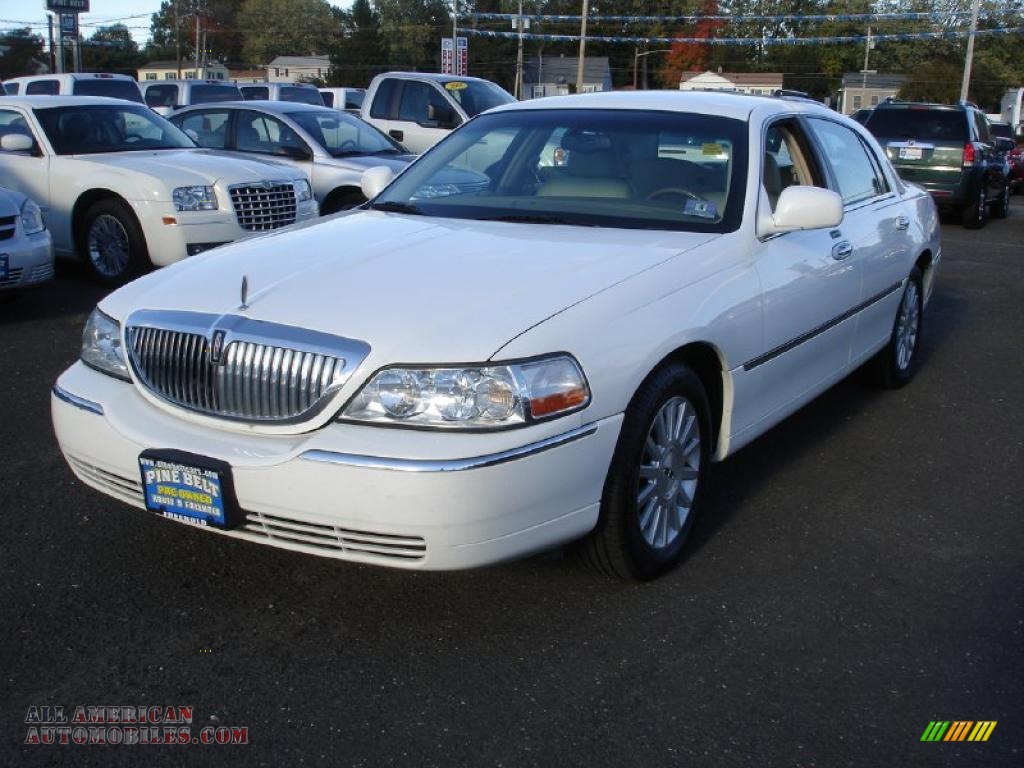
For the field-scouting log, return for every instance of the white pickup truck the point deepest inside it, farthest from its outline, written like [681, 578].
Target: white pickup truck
[419, 109]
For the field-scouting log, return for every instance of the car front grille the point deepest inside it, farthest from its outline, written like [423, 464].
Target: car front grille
[7, 227]
[263, 206]
[40, 272]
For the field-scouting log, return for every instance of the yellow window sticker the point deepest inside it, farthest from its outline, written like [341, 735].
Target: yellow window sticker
[455, 85]
[712, 149]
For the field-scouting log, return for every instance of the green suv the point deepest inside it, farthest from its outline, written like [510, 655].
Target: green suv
[948, 149]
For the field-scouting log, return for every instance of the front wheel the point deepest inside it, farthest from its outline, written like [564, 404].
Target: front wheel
[655, 484]
[897, 362]
[111, 242]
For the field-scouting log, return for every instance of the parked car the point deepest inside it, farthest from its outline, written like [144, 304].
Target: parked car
[419, 109]
[349, 99]
[862, 115]
[124, 189]
[166, 96]
[26, 250]
[949, 150]
[304, 93]
[75, 84]
[331, 147]
[1016, 160]
[463, 373]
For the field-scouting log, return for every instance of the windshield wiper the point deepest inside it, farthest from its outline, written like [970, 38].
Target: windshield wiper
[535, 218]
[392, 207]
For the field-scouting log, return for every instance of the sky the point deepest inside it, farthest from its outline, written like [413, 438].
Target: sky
[134, 14]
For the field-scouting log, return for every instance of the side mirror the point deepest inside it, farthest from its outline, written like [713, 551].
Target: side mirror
[802, 207]
[16, 142]
[374, 180]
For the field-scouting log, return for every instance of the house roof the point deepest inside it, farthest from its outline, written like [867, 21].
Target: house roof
[870, 80]
[741, 79]
[185, 64]
[562, 69]
[301, 61]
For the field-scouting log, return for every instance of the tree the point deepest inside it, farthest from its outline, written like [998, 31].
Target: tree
[360, 51]
[692, 57]
[413, 30]
[273, 28]
[219, 20]
[111, 49]
[22, 53]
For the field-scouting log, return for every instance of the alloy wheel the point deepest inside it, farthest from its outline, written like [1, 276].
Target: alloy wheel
[907, 326]
[107, 245]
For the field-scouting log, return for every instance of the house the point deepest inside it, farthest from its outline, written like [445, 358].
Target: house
[863, 90]
[556, 75]
[754, 83]
[247, 76]
[293, 68]
[168, 70]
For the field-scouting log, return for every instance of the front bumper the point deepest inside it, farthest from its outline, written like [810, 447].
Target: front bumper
[195, 230]
[466, 505]
[29, 260]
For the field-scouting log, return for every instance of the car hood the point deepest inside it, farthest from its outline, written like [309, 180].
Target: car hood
[416, 289]
[359, 163]
[178, 167]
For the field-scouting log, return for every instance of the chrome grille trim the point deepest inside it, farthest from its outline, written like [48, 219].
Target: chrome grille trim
[268, 373]
[334, 538]
[263, 206]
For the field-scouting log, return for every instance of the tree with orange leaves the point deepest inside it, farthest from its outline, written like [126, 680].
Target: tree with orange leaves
[691, 57]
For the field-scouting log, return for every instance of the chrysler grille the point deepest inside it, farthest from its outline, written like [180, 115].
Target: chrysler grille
[254, 382]
[261, 207]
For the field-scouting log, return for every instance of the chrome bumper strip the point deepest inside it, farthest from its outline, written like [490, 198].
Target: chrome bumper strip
[449, 465]
[78, 402]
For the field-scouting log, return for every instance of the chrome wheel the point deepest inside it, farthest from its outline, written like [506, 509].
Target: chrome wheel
[907, 326]
[108, 246]
[669, 470]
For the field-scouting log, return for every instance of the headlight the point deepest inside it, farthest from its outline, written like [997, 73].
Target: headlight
[472, 397]
[32, 218]
[303, 191]
[101, 345]
[194, 199]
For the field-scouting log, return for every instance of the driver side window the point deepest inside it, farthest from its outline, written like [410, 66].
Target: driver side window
[260, 133]
[786, 161]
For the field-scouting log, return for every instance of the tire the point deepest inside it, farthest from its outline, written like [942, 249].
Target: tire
[644, 522]
[1001, 207]
[341, 200]
[111, 243]
[975, 215]
[897, 362]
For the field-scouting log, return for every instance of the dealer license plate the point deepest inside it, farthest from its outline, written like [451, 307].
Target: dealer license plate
[193, 490]
[910, 153]
[3, 266]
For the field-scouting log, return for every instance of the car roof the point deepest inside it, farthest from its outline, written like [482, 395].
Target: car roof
[39, 101]
[70, 76]
[725, 103]
[276, 106]
[186, 81]
[435, 76]
[285, 83]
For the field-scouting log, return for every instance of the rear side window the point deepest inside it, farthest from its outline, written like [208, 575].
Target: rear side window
[162, 96]
[301, 95]
[382, 99]
[353, 99]
[114, 89]
[857, 175]
[43, 88]
[210, 127]
[919, 124]
[328, 98]
[255, 92]
[12, 88]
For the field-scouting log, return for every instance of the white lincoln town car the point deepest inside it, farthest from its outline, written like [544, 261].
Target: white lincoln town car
[123, 189]
[496, 357]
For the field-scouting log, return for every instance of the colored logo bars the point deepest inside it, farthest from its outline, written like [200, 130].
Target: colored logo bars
[958, 730]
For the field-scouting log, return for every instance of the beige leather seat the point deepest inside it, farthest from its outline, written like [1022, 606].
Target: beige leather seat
[588, 174]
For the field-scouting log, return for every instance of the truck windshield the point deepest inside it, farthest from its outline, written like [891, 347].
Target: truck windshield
[630, 169]
[476, 96]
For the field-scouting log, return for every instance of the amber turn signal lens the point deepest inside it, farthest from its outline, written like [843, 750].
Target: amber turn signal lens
[557, 402]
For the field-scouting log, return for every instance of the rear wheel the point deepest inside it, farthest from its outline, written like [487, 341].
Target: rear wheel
[655, 484]
[111, 242]
[897, 362]
[1001, 207]
[975, 214]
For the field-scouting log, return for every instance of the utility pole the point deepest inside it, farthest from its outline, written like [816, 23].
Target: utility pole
[867, 52]
[970, 52]
[583, 47]
[456, 63]
[177, 38]
[197, 43]
[519, 54]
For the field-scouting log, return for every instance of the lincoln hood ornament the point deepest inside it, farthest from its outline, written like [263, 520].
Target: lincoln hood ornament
[245, 293]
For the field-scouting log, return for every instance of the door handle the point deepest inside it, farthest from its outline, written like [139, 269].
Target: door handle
[396, 134]
[841, 250]
[902, 222]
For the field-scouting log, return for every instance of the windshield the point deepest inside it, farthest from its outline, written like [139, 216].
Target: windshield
[914, 123]
[342, 135]
[209, 94]
[115, 89]
[588, 167]
[108, 128]
[301, 95]
[476, 96]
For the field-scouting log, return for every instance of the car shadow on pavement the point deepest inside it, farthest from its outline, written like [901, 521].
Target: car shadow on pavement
[71, 292]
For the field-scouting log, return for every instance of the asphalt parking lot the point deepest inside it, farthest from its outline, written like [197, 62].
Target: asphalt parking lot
[859, 576]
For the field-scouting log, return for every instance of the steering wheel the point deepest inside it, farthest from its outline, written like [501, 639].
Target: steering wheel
[667, 191]
[347, 144]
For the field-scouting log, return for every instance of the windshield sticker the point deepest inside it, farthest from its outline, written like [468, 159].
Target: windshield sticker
[705, 209]
[455, 86]
[712, 149]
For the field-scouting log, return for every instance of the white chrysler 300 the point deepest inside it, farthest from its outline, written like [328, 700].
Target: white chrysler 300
[124, 189]
[548, 349]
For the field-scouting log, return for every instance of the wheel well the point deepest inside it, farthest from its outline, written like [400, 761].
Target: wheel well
[924, 263]
[339, 195]
[703, 359]
[83, 204]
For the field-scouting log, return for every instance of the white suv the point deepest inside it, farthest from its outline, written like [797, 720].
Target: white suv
[75, 84]
[123, 188]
